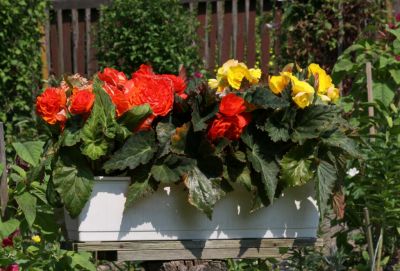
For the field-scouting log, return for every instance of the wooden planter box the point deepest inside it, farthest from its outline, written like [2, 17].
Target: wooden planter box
[166, 215]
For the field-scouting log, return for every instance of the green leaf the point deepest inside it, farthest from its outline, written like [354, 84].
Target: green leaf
[314, 120]
[203, 192]
[71, 137]
[29, 151]
[8, 227]
[134, 116]
[341, 141]
[101, 125]
[141, 186]
[344, 65]
[236, 170]
[325, 181]
[296, 165]
[276, 132]
[82, 259]
[27, 203]
[170, 169]
[262, 162]
[265, 98]
[200, 123]
[73, 180]
[164, 132]
[138, 149]
[382, 92]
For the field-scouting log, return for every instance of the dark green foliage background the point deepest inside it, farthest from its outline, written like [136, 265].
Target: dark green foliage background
[20, 64]
[133, 32]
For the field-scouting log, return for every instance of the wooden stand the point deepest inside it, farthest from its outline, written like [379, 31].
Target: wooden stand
[194, 249]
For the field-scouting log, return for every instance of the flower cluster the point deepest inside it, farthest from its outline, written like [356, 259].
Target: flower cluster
[76, 97]
[303, 91]
[232, 73]
[231, 119]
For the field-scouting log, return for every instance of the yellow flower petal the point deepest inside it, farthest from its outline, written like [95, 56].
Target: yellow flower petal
[255, 75]
[236, 75]
[324, 98]
[303, 99]
[277, 83]
[213, 83]
[36, 239]
[323, 79]
[301, 86]
[334, 94]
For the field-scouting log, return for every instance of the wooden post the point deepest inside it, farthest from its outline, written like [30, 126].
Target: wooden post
[3, 179]
[368, 71]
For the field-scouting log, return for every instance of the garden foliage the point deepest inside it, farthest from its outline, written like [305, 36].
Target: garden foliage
[20, 64]
[161, 33]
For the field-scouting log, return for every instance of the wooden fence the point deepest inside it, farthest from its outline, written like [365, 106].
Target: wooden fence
[228, 29]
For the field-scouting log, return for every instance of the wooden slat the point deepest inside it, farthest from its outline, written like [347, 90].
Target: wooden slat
[227, 33]
[206, 37]
[88, 41]
[198, 244]
[60, 44]
[67, 44]
[3, 179]
[225, 253]
[81, 42]
[220, 12]
[78, 4]
[277, 34]
[213, 37]
[265, 47]
[75, 40]
[246, 26]
[201, 30]
[240, 47]
[234, 27]
[251, 35]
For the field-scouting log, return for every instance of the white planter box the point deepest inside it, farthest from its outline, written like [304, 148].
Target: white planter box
[166, 215]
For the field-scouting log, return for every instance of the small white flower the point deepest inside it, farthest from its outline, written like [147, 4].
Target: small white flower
[352, 172]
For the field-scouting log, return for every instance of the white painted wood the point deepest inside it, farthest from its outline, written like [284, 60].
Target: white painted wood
[166, 215]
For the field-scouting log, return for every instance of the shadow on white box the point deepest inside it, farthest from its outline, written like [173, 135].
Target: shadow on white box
[167, 215]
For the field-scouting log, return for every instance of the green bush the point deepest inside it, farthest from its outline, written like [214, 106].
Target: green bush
[20, 63]
[133, 32]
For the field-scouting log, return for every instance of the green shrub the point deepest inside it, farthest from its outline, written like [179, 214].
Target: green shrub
[20, 63]
[133, 32]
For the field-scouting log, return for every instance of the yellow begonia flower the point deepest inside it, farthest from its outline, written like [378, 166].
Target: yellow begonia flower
[213, 83]
[324, 80]
[301, 86]
[223, 71]
[277, 83]
[36, 239]
[333, 94]
[255, 75]
[236, 75]
[303, 99]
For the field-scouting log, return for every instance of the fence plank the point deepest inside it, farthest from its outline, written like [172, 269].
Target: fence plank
[234, 27]
[227, 31]
[220, 11]
[3, 179]
[240, 47]
[277, 33]
[67, 41]
[78, 4]
[201, 30]
[47, 42]
[251, 33]
[60, 42]
[88, 41]
[75, 39]
[213, 36]
[265, 45]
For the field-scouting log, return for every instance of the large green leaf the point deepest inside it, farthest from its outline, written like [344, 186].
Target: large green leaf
[314, 120]
[134, 116]
[8, 227]
[81, 260]
[236, 169]
[171, 168]
[341, 141]
[200, 122]
[29, 151]
[101, 125]
[27, 203]
[203, 192]
[164, 132]
[325, 181]
[265, 98]
[262, 162]
[73, 180]
[383, 92]
[296, 166]
[276, 131]
[141, 185]
[71, 136]
[138, 149]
